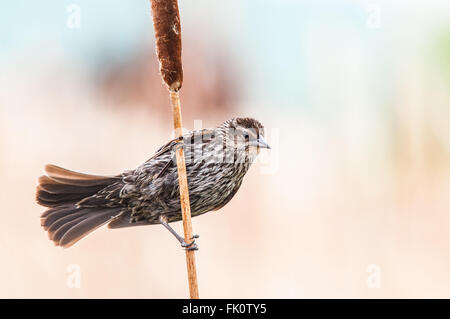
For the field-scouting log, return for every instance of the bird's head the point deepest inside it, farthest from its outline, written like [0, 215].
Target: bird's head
[245, 135]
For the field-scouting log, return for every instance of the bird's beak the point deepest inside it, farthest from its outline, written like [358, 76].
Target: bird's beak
[261, 142]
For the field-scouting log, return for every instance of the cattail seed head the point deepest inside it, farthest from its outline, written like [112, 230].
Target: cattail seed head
[166, 21]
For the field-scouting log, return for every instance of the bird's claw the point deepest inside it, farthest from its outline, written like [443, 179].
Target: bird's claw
[192, 245]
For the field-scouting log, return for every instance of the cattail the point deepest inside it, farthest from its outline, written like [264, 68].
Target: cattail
[166, 21]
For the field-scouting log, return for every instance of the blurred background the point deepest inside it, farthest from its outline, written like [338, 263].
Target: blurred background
[352, 201]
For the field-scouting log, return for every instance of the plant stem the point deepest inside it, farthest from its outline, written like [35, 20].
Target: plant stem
[166, 22]
[184, 197]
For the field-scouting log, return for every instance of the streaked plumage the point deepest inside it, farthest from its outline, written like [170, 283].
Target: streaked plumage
[216, 162]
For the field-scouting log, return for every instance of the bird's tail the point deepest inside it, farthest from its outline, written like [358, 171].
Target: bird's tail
[60, 190]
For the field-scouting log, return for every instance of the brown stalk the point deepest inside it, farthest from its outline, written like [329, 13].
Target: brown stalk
[166, 21]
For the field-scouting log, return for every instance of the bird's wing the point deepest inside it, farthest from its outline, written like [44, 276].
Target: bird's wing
[189, 140]
[168, 147]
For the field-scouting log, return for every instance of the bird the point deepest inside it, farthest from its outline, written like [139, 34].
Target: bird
[216, 163]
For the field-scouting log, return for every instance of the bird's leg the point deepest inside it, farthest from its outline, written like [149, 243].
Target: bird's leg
[190, 246]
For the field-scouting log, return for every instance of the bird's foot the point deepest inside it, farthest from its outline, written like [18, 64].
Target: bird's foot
[192, 245]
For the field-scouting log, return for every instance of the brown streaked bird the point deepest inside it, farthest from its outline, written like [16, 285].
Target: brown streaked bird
[216, 162]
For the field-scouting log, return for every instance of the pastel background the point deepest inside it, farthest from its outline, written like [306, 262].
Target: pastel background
[352, 201]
